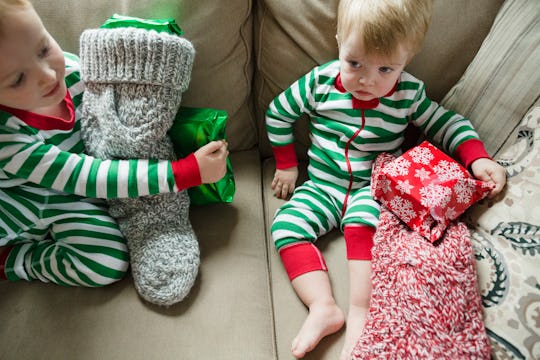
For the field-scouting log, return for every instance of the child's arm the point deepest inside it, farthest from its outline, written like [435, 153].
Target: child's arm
[281, 115]
[50, 167]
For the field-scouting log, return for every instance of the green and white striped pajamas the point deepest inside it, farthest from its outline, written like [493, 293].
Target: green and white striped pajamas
[346, 136]
[54, 221]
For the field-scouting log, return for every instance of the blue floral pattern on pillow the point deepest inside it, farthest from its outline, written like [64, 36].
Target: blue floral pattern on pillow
[506, 241]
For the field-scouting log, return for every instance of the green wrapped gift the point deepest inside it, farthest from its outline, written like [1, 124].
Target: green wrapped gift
[159, 25]
[193, 128]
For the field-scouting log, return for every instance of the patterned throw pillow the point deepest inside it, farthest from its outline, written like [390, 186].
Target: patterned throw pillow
[506, 240]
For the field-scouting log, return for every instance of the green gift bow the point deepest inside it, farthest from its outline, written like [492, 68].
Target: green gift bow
[159, 25]
[193, 128]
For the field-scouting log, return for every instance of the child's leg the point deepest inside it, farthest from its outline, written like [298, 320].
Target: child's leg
[359, 227]
[86, 248]
[324, 317]
[298, 223]
[359, 242]
[359, 298]
[96, 258]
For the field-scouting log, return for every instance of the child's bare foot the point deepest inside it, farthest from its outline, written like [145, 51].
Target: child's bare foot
[355, 325]
[323, 319]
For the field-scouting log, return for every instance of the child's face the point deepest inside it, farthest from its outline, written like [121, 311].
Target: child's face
[369, 76]
[31, 64]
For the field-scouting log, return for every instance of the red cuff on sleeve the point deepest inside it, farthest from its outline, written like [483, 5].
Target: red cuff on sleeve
[186, 172]
[469, 151]
[285, 156]
[359, 241]
[301, 258]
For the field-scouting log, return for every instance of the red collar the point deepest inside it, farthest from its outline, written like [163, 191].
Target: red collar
[361, 104]
[44, 122]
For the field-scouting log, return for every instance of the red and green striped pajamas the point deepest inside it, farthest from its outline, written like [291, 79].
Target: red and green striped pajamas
[54, 225]
[346, 136]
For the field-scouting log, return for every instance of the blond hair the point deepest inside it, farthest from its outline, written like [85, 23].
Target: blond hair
[385, 24]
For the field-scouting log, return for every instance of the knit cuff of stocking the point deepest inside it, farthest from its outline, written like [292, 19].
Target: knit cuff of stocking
[133, 55]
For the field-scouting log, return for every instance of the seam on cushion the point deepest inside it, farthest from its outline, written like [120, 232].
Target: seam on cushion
[259, 111]
[260, 11]
[269, 250]
[248, 78]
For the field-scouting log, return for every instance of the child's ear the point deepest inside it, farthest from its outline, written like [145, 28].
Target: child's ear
[337, 39]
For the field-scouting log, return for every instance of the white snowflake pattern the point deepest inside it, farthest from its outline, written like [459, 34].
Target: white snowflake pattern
[451, 213]
[448, 170]
[398, 167]
[384, 184]
[403, 208]
[434, 195]
[422, 173]
[421, 155]
[464, 190]
[404, 187]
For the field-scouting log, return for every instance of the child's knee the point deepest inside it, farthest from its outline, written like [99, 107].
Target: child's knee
[118, 274]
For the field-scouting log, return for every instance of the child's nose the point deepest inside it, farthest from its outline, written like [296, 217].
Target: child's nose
[367, 78]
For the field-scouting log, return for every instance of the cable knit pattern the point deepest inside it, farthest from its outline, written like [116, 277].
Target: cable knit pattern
[134, 79]
[425, 302]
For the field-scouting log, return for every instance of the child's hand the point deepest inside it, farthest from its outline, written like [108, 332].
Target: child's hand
[284, 182]
[212, 160]
[488, 170]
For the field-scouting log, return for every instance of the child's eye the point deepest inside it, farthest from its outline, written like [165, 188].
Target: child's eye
[385, 69]
[355, 64]
[18, 81]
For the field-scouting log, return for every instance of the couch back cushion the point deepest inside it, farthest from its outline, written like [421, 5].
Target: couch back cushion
[502, 82]
[221, 33]
[291, 37]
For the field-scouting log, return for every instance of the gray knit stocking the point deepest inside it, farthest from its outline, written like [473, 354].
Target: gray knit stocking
[134, 80]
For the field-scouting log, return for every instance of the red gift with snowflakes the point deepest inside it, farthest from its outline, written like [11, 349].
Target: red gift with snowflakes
[426, 188]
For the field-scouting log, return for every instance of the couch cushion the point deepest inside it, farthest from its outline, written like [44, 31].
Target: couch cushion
[226, 316]
[291, 37]
[502, 82]
[506, 238]
[221, 33]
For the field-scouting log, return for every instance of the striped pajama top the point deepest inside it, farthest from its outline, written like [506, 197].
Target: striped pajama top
[345, 139]
[54, 159]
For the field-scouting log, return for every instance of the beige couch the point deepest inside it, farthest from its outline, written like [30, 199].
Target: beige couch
[242, 306]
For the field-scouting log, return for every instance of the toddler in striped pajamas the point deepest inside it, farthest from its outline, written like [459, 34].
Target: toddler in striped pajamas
[54, 225]
[358, 106]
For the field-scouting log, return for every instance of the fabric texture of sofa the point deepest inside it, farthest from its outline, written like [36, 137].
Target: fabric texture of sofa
[480, 58]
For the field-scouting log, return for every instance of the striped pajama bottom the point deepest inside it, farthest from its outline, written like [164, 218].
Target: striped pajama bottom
[59, 238]
[314, 210]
